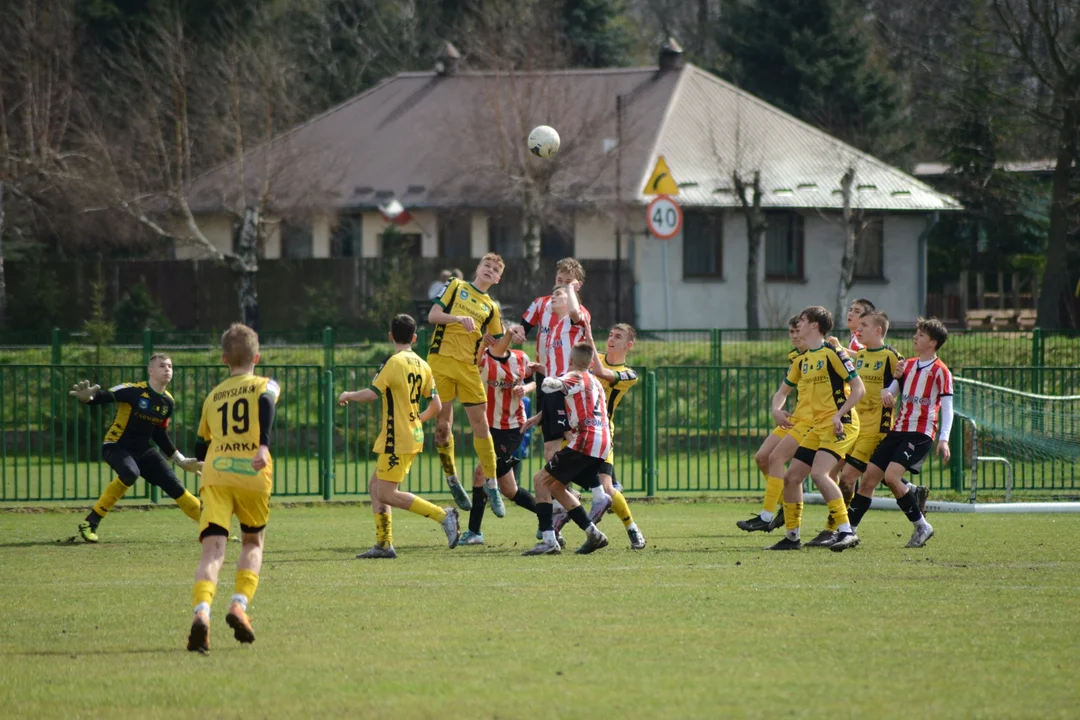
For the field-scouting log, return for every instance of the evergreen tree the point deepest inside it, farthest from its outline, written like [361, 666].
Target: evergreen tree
[595, 34]
[814, 59]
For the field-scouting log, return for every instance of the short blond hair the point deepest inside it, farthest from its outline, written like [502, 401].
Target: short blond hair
[581, 356]
[495, 258]
[877, 319]
[626, 328]
[158, 356]
[240, 345]
[571, 267]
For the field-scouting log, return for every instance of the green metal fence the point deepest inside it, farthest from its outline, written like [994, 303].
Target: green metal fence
[684, 429]
[705, 347]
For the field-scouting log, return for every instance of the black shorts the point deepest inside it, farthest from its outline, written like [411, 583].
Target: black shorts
[149, 464]
[506, 444]
[904, 448]
[554, 424]
[569, 465]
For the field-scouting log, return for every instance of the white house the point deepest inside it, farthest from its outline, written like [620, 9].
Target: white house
[449, 146]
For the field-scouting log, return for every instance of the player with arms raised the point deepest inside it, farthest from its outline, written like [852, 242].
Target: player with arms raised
[462, 316]
[925, 388]
[143, 412]
[238, 476]
[400, 383]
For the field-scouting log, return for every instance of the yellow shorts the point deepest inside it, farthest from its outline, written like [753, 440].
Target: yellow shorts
[822, 437]
[864, 448]
[456, 379]
[394, 468]
[221, 502]
[798, 431]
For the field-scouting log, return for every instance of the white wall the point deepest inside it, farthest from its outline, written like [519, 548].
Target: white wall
[216, 228]
[704, 303]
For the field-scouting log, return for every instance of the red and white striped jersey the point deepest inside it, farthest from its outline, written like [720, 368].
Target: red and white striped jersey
[501, 375]
[586, 411]
[565, 334]
[921, 388]
[539, 316]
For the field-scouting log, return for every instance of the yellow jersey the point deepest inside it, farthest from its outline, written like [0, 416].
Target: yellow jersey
[875, 367]
[615, 391]
[400, 382]
[230, 427]
[452, 340]
[822, 376]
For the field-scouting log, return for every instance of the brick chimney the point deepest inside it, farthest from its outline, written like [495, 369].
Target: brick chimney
[671, 56]
[448, 61]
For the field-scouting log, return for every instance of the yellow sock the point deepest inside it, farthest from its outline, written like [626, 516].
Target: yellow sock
[247, 581]
[621, 508]
[190, 505]
[830, 523]
[203, 593]
[485, 450]
[837, 513]
[774, 489]
[384, 534]
[420, 506]
[112, 492]
[446, 457]
[792, 515]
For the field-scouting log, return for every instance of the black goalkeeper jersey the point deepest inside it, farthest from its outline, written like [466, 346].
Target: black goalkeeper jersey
[142, 415]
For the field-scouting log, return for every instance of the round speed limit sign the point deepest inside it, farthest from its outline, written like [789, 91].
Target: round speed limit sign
[664, 217]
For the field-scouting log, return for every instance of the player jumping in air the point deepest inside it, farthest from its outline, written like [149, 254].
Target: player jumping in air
[924, 388]
[400, 383]
[142, 414]
[238, 476]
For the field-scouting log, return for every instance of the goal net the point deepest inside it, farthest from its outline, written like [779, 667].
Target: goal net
[1034, 438]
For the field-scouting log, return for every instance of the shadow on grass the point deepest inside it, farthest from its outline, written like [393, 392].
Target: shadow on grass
[136, 651]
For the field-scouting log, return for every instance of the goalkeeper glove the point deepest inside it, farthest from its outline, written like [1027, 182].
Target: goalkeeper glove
[84, 391]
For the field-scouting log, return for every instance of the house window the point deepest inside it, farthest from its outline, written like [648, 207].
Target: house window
[399, 245]
[455, 235]
[557, 241]
[870, 249]
[703, 244]
[296, 242]
[505, 235]
[784, 247]
[346, 239]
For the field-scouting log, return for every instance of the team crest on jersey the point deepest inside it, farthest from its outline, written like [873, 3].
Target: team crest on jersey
[820, 364]
[143, 403]
[878, 365]
[859, 364]
[464, 294]
[483, 307]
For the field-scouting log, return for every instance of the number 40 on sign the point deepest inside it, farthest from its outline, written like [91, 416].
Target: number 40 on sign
[664, 217]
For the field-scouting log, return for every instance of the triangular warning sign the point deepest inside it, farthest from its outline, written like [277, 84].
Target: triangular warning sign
[661, 182]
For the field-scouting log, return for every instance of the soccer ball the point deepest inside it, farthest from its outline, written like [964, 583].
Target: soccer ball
[544, 141]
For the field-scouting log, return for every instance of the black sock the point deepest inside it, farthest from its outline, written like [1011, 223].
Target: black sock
[93, 518]
[544, 512]
[859, 505]
[910, 507]
[476, 515]
[524, 499]
[580, 517]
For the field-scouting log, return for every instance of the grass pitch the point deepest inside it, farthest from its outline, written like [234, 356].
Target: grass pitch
[980, 623]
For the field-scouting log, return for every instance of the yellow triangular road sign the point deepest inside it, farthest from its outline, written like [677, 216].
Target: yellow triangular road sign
[661, 182]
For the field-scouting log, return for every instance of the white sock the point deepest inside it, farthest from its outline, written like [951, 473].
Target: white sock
[922, 524]
[452, 480]
[598, 494]
[592, 529]
[556, 506]
[202, 607]
[491, 484]
[910, 487]
[242, 600]
[549, 537]
[845, 528]
[792, 534]
[633, 526]
[766, 516]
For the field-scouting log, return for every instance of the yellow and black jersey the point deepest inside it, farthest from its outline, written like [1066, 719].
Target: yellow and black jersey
[237, 417]
[462, 298]
[142, 415]
[626, 378]
[802, 405]
[401, 382]
[822, 376]
[876, 367]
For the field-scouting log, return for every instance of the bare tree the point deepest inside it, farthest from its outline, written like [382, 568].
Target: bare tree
[749, 197]
[852, 220]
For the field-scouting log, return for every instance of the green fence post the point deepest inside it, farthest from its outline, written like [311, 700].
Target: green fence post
[714, 346]
[956, 447]
[328, 347]
[147, 345]
[1038, 358]
[650, 434]
[326, 432]
[57, 349]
